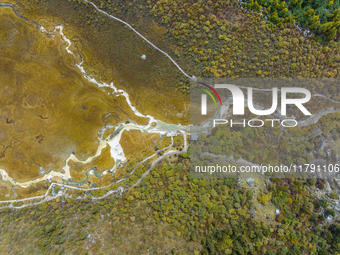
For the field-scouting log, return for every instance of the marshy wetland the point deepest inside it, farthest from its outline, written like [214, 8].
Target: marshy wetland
[48, 109]
[94, 151]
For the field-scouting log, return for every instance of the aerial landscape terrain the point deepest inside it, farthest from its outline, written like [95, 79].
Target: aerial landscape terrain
[101, 127]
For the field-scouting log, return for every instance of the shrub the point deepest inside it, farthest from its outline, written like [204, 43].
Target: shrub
[334, 196]
[279, 217]
[311, 181]
[329, 212]
[264, 198]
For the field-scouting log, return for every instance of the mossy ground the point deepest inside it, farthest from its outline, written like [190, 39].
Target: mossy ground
[48, 110]
[103, 162]
[136, 144]
[112, 52]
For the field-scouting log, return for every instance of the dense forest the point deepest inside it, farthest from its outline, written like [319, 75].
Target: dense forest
[217, 216]
[270, 145]
[219, 39]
